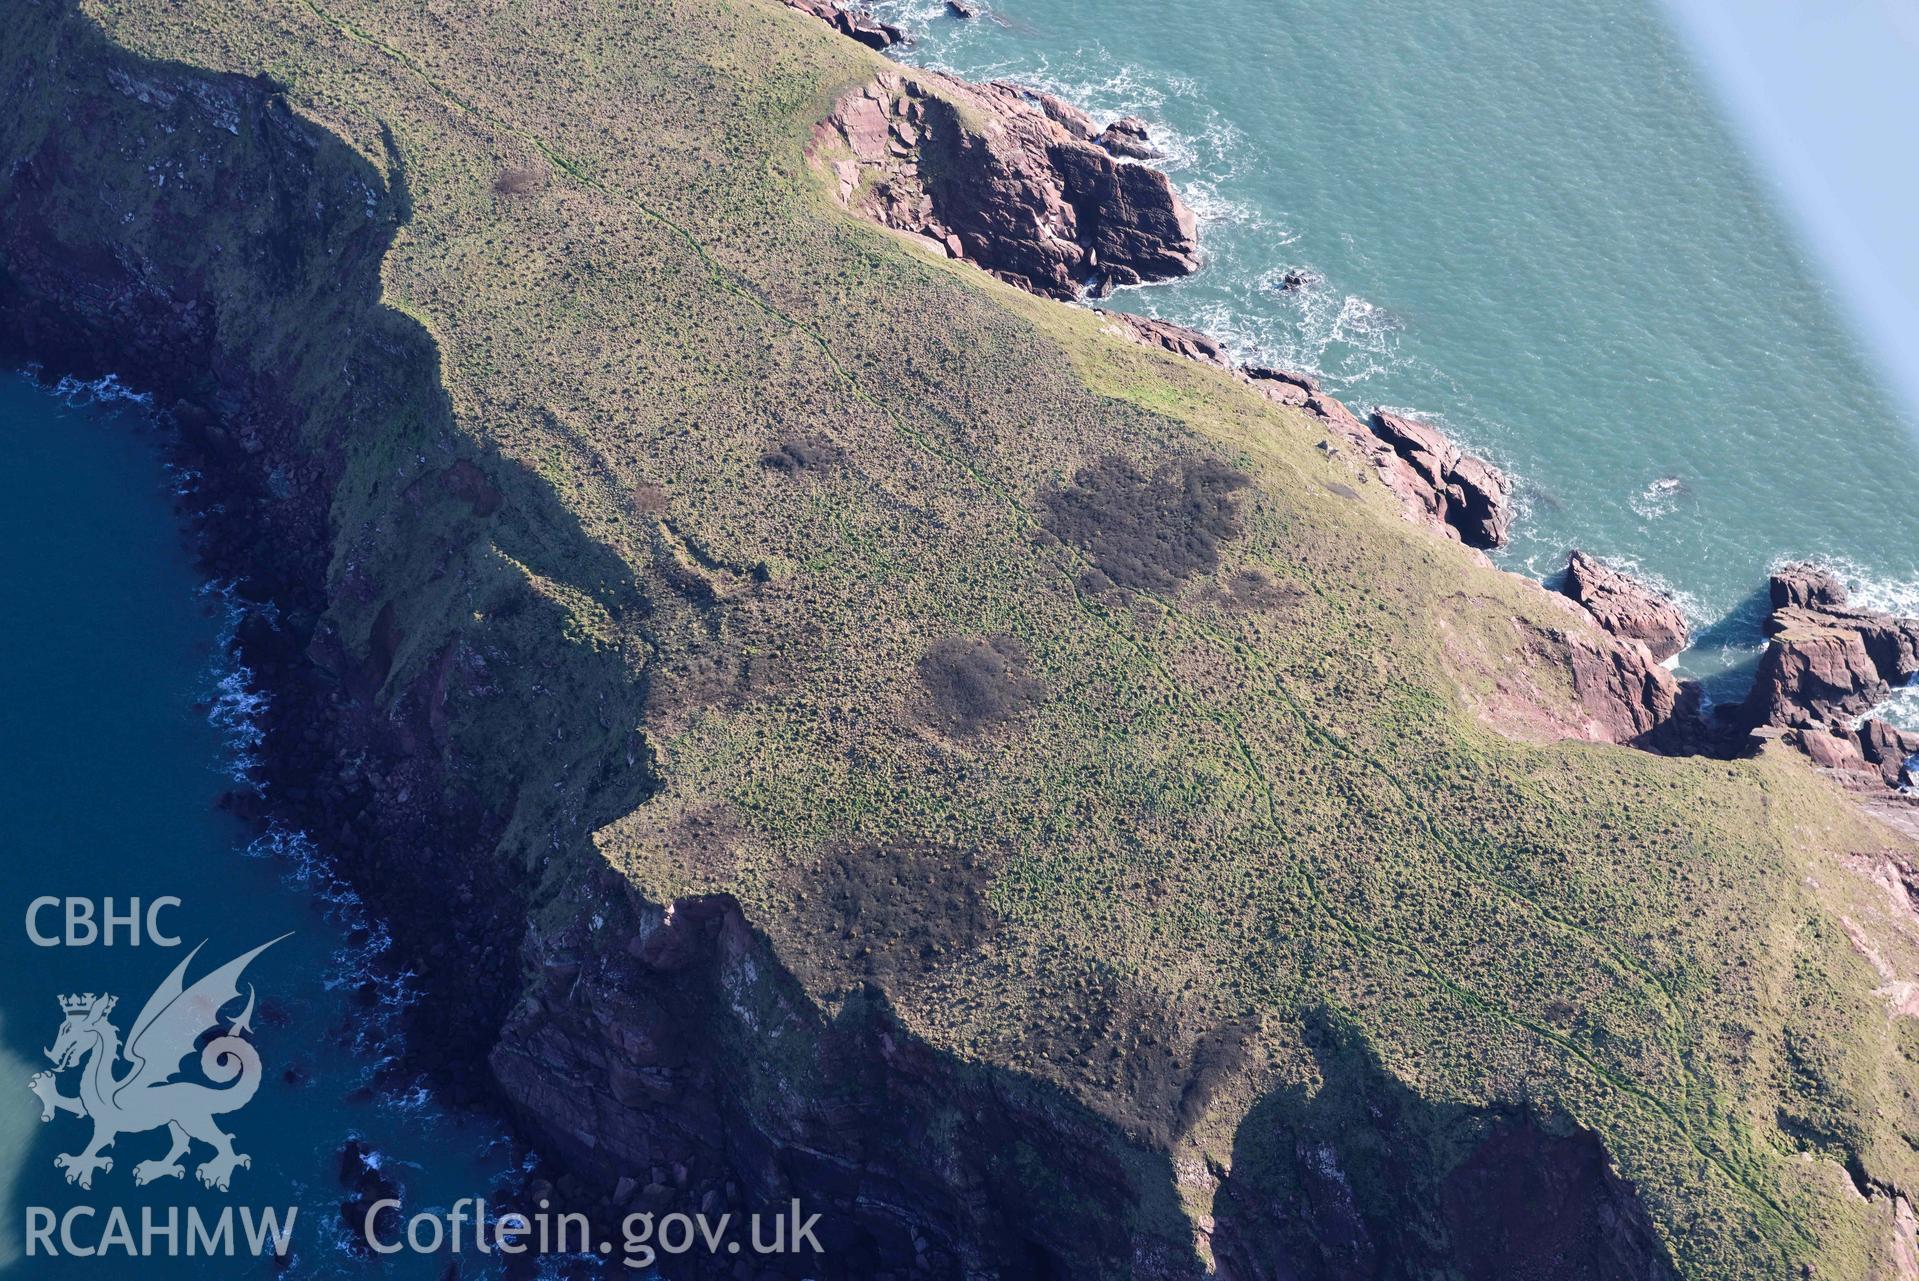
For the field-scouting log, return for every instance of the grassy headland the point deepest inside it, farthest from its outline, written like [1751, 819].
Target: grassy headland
[1063, 691]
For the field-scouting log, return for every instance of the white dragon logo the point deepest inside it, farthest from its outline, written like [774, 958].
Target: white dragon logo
[146, 1097]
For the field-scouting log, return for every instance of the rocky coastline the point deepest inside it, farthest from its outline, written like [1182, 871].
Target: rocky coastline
[1025, 185]
[624, 1063]
[1013, 181]
[338, 760]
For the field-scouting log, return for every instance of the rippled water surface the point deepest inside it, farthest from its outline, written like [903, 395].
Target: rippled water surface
[1526, 222]
[124, 719]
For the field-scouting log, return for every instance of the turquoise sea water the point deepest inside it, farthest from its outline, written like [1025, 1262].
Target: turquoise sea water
[1822, 94]
[1526, 222]
[1531, 224]
[121, 721]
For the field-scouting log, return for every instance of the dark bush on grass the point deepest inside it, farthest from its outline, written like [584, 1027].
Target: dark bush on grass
[977, 681]
[1146, 533]
[796, 456]
[519, 182]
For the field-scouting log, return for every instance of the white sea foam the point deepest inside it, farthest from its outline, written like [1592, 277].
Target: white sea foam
[1204, 157]
[104, 390]
[1310, 327]
[1659, 498]
[912, 16]
[1867, 588]
[236, 705]
[363, 966]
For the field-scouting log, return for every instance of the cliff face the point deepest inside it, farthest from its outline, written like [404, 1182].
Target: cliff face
[991, 175]
[1327, 1191]
[640, 1068]
[681, 1067]
[825, 730]
[240, 284]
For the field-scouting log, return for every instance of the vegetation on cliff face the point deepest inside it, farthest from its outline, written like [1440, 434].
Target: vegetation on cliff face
[1057, 690]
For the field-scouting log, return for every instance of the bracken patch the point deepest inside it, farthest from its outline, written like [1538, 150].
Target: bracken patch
[978, 681]
[1146, 533]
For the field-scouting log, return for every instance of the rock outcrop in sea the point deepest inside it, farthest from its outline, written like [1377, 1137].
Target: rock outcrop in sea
[1127, 136]
[1826, 664]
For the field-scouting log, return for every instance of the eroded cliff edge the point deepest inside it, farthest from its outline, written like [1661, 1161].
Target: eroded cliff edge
[227, 260]
[472, 681]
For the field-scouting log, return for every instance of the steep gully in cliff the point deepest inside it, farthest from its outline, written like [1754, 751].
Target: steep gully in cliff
[1029, 188]
[632, 1064]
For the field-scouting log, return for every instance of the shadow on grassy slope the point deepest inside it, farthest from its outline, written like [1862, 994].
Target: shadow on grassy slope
[1362, 1177]
[531, 488]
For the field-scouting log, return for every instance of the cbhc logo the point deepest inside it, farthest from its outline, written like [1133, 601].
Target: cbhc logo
[87, 923]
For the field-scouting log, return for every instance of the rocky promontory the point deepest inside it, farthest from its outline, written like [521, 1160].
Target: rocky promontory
[1826, 664]
[1437, 483]
[1008, 179]
[1013, 179]
[1625, 606]
[1164, 334]
[557, 665]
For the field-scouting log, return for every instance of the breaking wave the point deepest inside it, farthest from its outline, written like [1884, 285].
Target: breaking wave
[78, 393]
[1661, 497]
[237, 705]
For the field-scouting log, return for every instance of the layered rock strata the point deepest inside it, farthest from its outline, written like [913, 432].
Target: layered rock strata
[1007, 179]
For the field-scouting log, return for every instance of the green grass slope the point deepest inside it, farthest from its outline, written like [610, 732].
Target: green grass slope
[1064, 690]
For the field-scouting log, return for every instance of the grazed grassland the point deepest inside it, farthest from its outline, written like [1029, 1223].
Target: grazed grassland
[1057, 686]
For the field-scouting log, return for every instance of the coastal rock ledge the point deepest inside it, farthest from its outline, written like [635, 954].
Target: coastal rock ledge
[1437, 483]
[1625, 606]
[855, 24]
[1827, 660]
[1826, 664]
[1005, 178]
[1464, 494]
